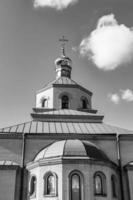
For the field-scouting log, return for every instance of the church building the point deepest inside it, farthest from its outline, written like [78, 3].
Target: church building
[66, 151]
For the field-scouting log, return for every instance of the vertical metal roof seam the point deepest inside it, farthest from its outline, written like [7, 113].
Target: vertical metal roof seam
[80, 127]
[102, 129]
[87, 128]
[83, 124]
[95, 127]
[30, 126]
[74, 124]
[16, 128]
[61, 127]
[48, 127]
[74, 127]
[42, 127]
[55, 127]
[10, 129]
[91, 125]
[23, 128]
[68, 127]
[36, 127]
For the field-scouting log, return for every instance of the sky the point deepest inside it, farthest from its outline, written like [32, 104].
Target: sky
[100, 45]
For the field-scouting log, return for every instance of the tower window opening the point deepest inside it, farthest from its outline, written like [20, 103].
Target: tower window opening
[114, 186]
[44, 103]
[84, 104]
[100, 184]
[65, 102]
[75, 187]
[50, 184]
[32, 187]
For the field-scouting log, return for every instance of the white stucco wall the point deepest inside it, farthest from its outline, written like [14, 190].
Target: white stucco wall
[130, 179]
[40, 173]
[48, 94]
[88, 172]
[75, 96]
[7, 184]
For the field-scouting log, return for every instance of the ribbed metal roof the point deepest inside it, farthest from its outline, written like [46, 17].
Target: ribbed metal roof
[72, 148]
[64, 127]
[62, 81]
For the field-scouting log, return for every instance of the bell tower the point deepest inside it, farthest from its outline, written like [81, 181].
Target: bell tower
[63, 92]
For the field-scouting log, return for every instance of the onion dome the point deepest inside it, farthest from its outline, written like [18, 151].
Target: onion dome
[72, 148]
[63, 67]
[63, 63]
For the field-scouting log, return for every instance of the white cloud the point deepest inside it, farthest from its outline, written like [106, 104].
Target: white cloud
[127, 95]
[57, 4]
[114, 98]
[110, 45]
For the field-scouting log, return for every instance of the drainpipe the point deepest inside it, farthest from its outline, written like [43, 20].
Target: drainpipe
[120, 168]
[22, 166]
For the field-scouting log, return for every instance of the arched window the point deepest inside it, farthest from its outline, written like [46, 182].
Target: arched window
[65, 102]
[84, 102]
[114, 186]
[32, 187]
[75, 187]
[50, 184]
[44, 103]
[99, 184]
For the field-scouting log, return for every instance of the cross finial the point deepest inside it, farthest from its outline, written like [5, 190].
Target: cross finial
[63, 40]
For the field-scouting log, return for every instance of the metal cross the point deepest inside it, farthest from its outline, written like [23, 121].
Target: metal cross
[63, 40]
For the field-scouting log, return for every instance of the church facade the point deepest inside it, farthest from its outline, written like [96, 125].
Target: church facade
[66, 152]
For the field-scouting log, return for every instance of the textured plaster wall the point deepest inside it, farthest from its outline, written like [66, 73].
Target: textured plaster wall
[7, 184]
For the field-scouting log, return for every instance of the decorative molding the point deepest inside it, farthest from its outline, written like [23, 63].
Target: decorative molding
[67, 118]
[126, 137]
[70, 160]
[61, 136]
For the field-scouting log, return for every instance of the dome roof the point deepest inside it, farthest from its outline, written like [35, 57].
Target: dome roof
[72, 148]
[63, 61]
